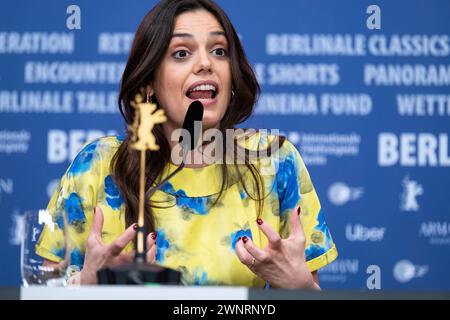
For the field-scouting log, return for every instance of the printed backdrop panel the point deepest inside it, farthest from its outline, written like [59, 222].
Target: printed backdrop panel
[361, 88]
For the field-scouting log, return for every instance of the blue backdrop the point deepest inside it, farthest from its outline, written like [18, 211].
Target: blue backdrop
[362, 91]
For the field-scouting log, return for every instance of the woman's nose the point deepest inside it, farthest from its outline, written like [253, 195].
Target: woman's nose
[204, 62]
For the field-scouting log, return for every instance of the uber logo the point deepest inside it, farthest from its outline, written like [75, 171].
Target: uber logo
[358, 232]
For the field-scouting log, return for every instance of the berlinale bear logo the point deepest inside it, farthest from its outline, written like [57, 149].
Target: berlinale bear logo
[411, 190]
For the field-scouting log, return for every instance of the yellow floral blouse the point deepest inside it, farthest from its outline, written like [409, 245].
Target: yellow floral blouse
[193, 237]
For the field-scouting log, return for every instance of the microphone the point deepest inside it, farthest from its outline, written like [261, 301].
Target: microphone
[193, 114]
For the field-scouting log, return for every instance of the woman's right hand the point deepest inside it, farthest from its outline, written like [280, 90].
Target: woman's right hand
[99, 255]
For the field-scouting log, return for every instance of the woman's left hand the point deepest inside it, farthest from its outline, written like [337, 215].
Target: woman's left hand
[282, 262]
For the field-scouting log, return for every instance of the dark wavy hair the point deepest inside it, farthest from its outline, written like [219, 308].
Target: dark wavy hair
[150, 43]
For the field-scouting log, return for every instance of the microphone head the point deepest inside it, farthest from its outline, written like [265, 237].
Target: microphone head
[193, 114]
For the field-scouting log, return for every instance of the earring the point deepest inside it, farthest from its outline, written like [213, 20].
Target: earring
[232, 93]
[151, 98]
[148, 90]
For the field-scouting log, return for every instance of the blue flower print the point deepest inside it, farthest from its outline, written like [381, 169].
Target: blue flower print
[200, 278]
[162, 245]
[197, 205]
[113, 196]
[84, 160]
[315, 250]
[77, 258]
[287, 184]
[74, 209]
[59, 252]
[121, 137]
[235, 236]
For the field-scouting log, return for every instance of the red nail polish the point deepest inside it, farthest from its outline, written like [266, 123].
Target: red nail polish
[154, 235]
[259, 221]
[244, 239]
[299, 210]
[135, 226]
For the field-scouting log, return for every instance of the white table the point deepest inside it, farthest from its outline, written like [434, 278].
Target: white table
[202, 293]
[134, 293]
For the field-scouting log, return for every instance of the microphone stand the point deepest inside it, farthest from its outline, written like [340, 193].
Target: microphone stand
[141, 247]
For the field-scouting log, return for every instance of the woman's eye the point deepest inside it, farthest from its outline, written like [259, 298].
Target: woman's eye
[220, 52]
[180, 54]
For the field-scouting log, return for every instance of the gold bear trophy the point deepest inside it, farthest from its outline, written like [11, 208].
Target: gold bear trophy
[146, 116]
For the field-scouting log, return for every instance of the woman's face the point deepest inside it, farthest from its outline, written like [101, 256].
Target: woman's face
[196, 66]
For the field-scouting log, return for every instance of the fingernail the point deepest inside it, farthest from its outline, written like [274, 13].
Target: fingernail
[154, 235]
[135, 226]
[244, 239]
[299, 210]
[259, 221]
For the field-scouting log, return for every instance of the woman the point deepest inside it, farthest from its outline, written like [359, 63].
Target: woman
[218, 224]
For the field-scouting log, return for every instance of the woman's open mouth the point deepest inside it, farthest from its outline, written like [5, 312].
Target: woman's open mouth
[204, 91]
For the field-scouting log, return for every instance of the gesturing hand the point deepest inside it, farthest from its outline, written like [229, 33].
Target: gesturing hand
[282, 262]
[99, 255]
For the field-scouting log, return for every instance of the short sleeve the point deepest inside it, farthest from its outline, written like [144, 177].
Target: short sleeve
[74, 198]
[294, 187]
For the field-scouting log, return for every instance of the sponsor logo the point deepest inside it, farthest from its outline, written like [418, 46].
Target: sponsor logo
[14, 141]
[374, 279]
[294, 137]
[339, 193]
[358, 232]
[411, 190]
[437, 232]
[339, 270]
[404, 271]
[319, 148]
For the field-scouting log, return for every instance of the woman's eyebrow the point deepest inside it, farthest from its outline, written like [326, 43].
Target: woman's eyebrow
[189, 35]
